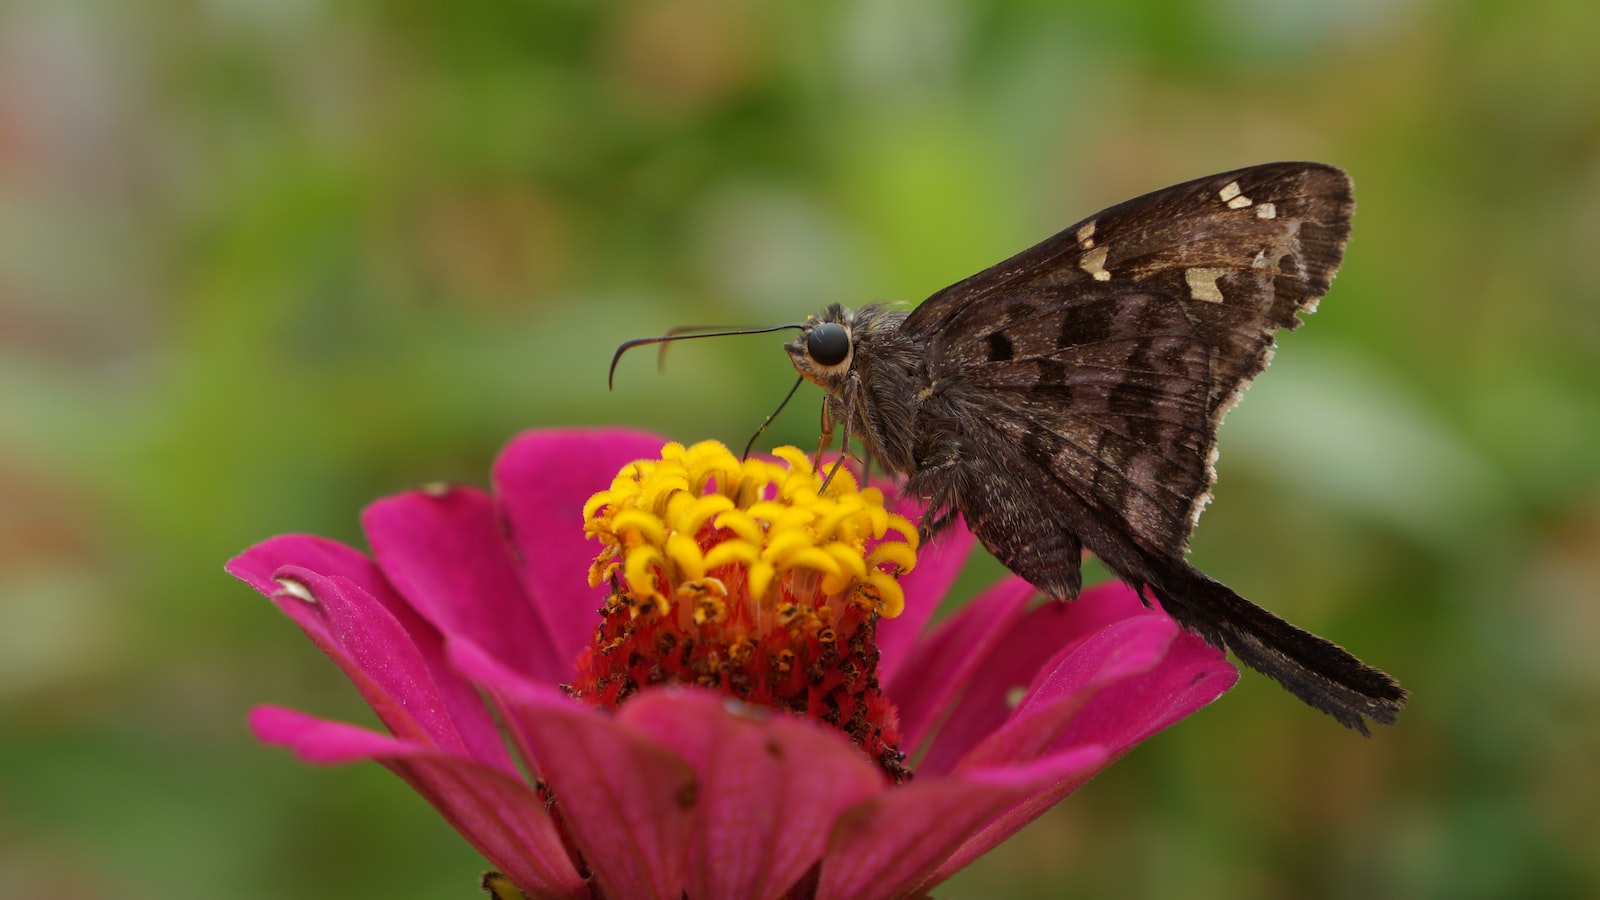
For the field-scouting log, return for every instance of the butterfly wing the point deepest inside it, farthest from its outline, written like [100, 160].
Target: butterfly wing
[1073, 395]
[1248, 249]
[1086, 416]
[1110, 352]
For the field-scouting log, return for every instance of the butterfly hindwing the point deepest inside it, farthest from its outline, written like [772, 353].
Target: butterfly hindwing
[1105, 390]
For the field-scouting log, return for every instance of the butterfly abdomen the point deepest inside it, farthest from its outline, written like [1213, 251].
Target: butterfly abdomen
[1316, 670]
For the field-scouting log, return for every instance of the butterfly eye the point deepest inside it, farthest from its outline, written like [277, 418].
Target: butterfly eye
[828, 344]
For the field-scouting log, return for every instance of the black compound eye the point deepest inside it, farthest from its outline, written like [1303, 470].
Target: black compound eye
[828, 344]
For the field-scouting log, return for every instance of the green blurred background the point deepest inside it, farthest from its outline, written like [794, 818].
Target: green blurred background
[264, 260]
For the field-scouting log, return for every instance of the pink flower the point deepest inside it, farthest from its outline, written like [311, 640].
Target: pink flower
[1001, 710]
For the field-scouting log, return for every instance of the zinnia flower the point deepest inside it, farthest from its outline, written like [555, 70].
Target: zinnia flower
[741, 699]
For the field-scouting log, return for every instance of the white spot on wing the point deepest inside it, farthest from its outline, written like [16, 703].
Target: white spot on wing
[1230, 191]
[1217, 415]
[1086, 235]
[1203, 283]
[1204, 499]
[1239, 202]
[1266, 211]
[1094, 262]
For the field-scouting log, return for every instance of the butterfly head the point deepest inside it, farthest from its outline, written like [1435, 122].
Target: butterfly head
[825, 349]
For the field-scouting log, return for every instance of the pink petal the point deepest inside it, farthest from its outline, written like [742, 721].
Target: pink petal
[1042, 634]
[445, 553]
[500, 683]
[1119, 651]
[464, 707]
[770, 787]
[943, 663]
[1117, 717]
[364, 640]
[496, 813]
[893, 843]
[542, 479]
[1191, 675]
[938, 564]
[626, 801]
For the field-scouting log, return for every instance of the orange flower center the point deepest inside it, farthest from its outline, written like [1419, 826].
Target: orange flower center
[750, 577]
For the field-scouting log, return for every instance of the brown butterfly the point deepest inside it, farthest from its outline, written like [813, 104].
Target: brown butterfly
[1069, 397]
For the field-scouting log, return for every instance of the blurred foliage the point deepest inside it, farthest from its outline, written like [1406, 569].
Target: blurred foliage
[262, 261]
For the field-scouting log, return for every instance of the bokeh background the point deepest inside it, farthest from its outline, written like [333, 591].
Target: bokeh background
[262, 261]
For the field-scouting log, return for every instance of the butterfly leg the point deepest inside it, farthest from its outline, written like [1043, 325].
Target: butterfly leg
[830, 414]
[825, 438]
[934, 523]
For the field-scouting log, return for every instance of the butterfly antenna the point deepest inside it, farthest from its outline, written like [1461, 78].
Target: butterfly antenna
[682, 334]
[770, 416]
[682, 331]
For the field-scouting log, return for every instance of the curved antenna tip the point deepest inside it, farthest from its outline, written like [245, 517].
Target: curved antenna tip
[677, 334]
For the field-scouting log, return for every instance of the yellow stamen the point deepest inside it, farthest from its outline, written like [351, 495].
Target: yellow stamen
[685, 521]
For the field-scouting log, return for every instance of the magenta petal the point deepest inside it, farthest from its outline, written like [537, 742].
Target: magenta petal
[502, 685]
[542, 479]
[627, 802]
[943, 663]
[461, 705]
[320, 741]
[257, 565]
[1042, 634]
[770, 787]
[1190, 675]
[368, 644]
[938, 563]
[1117, 717]
[445, 553]
[1121, 650]
[499, 815]
[893, 843]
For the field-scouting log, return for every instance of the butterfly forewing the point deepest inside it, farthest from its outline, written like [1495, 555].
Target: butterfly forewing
[1121, 342]
[1249, 247]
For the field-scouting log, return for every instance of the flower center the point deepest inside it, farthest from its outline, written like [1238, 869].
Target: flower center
[750, 577]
